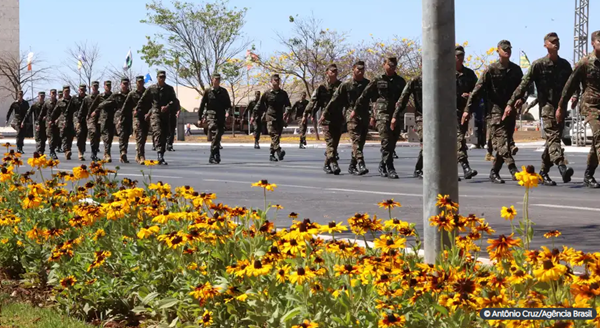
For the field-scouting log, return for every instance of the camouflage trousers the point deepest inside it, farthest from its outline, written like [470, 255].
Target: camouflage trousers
[275, 129]
[358, 130]
[141, 127]
[40, 139]
[20, 133]
[216, 128]
[594, 155]
[419, 130]
[389, 138]
[501, 140]
[304, 127]
[332, 134]
[461, 142]
[257, 126]
[552, 149]
[172, 128]
[67, 134]
[94, 135]
[490, 137]
[124, 132]
[108, 134]
[159, 125]
[54, 139]
[82, 133]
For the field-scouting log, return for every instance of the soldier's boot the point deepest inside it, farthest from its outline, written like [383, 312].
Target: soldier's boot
[212, 159]
[302, 141]
[256, 145]
[335, 168]
[95, 156]
[218, 156]
[419, 168]
[161, 159]
[489, 157]
[68, 155]
[20, 150]
[337, 156]
[382, 170]
[60, 150]
[362, 168]
[565, 172]
[512, 168]
[142, 159]
[546, 181]
[395, 155]
[107, 158]
[467, 170]
[137, 158]
[53, 155]
[169, 147]
[514, 150]
[327, 167]
[281, 154]
[352, 167]
[589, 180]
[220, 147]
[494, 173]
[123, 158]
[272, 158]
[80, 156]
[391, 171]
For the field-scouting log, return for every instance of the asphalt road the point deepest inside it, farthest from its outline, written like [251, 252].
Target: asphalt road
[304, 188]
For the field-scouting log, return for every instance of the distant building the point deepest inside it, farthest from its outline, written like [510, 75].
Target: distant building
[9, 44]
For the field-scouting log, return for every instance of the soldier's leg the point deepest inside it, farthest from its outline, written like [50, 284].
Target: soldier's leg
[279, 130]
[490, 140]
[303, 129]
[315, 122]
[461, 147]
[419, 166]
[20, 137]
[38, 140]
[511, 134]
[503, 154]
[593, 156]
[81, 138]
[43, 136]
[172, 127]
[383, 129]
[354, 137]
[274, 141]
[329, 151]
[214, 146]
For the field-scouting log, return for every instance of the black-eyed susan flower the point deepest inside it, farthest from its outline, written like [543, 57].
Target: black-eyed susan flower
[332, 227]
[283, 273]
[277, 207]
[204, 291]
[150, 162]
[258, 269]
[68, 281]
[348, 269]
[206, 319]
[444, 201]
[301, 275]
[293, 215]
[508, 213]
[549, 271]
[306, 324]
[81, 172]
[552, 234]
[392, 320]
[147, 231]
[501, 248]
[265, 184]
[443, 221]
[388, 204]
[527, 177]
[99, 259]
[388, 242]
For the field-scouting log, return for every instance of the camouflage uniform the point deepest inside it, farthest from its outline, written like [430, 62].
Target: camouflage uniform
[465, 82]
[384, 91]
[82, 121]
[274, 103]
[53, 127]
[214, 106]
[40, 129]
[496, 85]
[106, 118]
[550, 78]
[68, 128]
[172, 127]
[152, 101]
[587, 74]
[332, 126]
[93, 124]
[124, 124]
[140, 125]
[20, 109]
[413, 88]
[358, 126]
[256, 123]
[298, 111]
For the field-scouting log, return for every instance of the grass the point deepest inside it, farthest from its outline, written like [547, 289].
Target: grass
[21, 315]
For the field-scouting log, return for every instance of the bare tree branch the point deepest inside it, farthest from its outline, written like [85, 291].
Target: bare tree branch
[14, 68]
[89, 54]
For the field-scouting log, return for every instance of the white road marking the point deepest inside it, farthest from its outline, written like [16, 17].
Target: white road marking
[374, 192]
[153, 176]
[581, 208]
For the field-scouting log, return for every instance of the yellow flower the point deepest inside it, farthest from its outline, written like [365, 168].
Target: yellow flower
[150, 162]
[332, 227]
[206, 320]
[508, 213]
[81, 172]
[552, 233]
[549, 271]
[391, 320]
[99, 233]
[306, 324]
[388, 204]
[265, 184]
[387, 243]
[527, 177]
[277, 206]
[68, 281]
[147, 232]
[301, 275]
[444, 201]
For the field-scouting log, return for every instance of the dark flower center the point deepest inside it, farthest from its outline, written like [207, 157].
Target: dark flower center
[530, 169]
[391, 318]
[301, 271]
[257, 265]
[348, 267]
[389, 242]
[331, 224]
[548, 265]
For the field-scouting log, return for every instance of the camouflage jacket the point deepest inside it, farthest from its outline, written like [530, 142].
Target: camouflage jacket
[465, 83]
[251, 107]
[72, 111]
[384, 91]
[346, 96]
[587, 75]
[299, 107]
[49, 112]
[496, 86]
[275, 103]
[20, 110]
[133, 98]
[413, 88]
[88, 106]
[155, 97]
[110, 106]
[321, 97]
[34, 110]
[550, 79]
[215, 104]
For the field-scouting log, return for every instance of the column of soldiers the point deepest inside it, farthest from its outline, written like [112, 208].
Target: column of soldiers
[61, 119]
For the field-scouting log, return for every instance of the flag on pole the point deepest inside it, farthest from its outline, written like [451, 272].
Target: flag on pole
[250, 59]
[29, 61]
[524, 60]
[128, 61]
[80, 60]
[148, 78]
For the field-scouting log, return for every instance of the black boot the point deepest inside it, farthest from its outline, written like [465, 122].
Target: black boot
[218, 156]
[169, 148]
[272, 158]
[256, 145]
[565, 172]
[391, 171]
[20, 150]
[469, 173]
[95, 157]
[589, 180]
[212, 159]
[513, 171]
[495, 178]
[419, 167]
[382, 170]
[302, 143]
[352, 167]
[281, 154]
[335, 168]
[337, 156]
[53, 155]
[161, 159]
[362, 168]
[395, 156]
[546, 181]
[327, 168]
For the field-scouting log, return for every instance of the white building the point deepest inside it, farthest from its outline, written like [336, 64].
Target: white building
[9, 43]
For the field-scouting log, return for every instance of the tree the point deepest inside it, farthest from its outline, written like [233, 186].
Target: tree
[115, 75]
[480, 61]
[407, 51]
[86, 54]
[14, 69]
[197, 38]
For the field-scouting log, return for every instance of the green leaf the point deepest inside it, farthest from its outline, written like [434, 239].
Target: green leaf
[138, 309]
[167, 303]
[292, 314]
[440, 308]
[146, 300]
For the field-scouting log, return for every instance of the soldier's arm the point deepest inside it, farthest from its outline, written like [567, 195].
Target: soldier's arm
[403, 101]
[526, 82]
[287, 106]
[228, 106]
[368, 94]
[10, 110]
[573, 83]
[314, 100]
[478, 92]
[29, 112]
[202, 105]
[339, 99]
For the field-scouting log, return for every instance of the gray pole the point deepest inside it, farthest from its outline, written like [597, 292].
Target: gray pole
[439, 115]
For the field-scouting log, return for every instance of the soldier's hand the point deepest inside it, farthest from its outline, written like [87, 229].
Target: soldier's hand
[574, 102]
[352, 114]
[147, 116]
[226, 114]
[93, 114]
[465, 118]
[465, 95]
[559, 115]
[22, 125]
[393, 124]
[303, 120]
[164, 108]
[321, 119]
[507, 112]
[372, 121]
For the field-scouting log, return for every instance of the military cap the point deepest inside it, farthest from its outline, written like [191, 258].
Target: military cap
[359, 64]
[459, 50]
[140, 78]
[96, 83]
[20, 92]
[332, 67]
[275, 76]
[60, 92]
[108, 83]
[392, 60]
[41, 93]
[504, 44]
[124, 80]
[552, 36]
[161, 73]
[82, 86]
[216, 76]
[66, 87]
[52, 90]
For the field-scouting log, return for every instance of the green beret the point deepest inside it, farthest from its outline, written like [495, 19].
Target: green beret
[82, 86]
[96, 83]
[161, 73]
[52, 90]
[124, 80]
[66, 87]
[108, 83]
[140, 78]
[41, 93]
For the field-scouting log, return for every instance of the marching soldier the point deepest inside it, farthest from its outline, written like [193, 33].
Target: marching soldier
[385, 91]
[44, 118]
[124, 121]
[107, 111]
[413, 88]
[158, 100]
[496, 85]
[215, 107]
[276, 104]
[53, 129]
[40, 128]
[20, 108]
[83, 116]
[174, 115]
[550, 75]
[256, 124]
[465, 82]
[140, 125]
[68, 129]
[298, 112]
[94, 127]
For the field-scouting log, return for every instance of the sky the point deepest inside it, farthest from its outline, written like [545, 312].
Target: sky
[49, 30]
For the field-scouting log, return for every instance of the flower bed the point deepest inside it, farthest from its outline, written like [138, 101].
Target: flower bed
[145, 253]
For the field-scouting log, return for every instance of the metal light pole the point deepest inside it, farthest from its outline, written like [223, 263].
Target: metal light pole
[439, 115]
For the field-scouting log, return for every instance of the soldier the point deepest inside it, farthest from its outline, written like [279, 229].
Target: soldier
[140, 125]
[587, 74]
[357, 118]
[385, 91]
[47, 109]
[53, 129]
[106, 115]
[496, 85]
[174, 115]
[215, 107]
[332, 121]
[94, 123]
[84, 117]
[298, 112]
[123, 117]
[157, 101]
[40, 129]
[550, 74]
[256, 123]
[465, 82]
[413, 88]
[319, 99]
[276, 104]
[304, 126]
[68, 117]
[59, 147]
[20, 107]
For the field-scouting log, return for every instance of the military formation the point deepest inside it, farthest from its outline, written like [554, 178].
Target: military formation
[351, 106]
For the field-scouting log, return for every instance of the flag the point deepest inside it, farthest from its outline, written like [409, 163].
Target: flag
[250, 58]
[148, 78]
[80, 60]
[29, 60]
[128, 61]
[524, 60]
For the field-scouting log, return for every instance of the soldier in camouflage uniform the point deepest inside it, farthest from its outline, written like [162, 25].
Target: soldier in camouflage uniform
[40, 130]
[465, 82]
[173, 116]
[550, 74]
[59, 148]
[256, 124]
[47, 109]
[141, 126]
[496, 85]
[83, 115]
[63, 105]
[587, 74]
[93, 121]
[357, 118]
[20, 108]
[385, 91]
[214, 108]
[68, 125]
[106, 116]
[157, 101]
[123, 119]
[276, 104]
[297, 113]
[304, 125]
